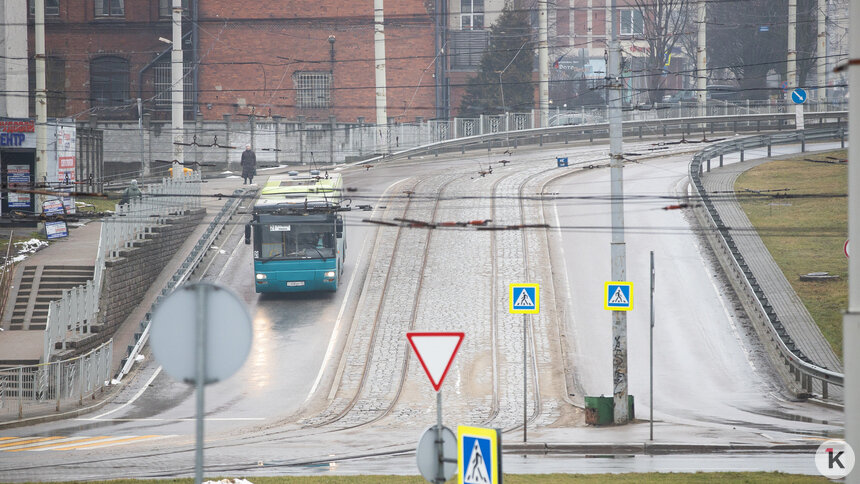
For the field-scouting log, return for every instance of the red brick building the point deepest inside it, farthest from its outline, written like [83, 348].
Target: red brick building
[264, 58]
[96, 50]
[315, 59]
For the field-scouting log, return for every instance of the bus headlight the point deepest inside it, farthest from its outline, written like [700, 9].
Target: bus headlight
[329, 274]
[261, 277]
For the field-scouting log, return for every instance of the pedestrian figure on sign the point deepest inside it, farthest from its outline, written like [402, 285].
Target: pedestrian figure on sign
[131, 192]
[249, 165]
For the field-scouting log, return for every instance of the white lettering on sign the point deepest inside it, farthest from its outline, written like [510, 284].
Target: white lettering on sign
[279, 228]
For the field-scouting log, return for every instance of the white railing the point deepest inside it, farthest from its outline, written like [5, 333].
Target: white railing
[72, 316]
[51, 387]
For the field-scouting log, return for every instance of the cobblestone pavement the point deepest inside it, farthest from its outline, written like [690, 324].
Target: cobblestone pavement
[371, 376]
[461, 285]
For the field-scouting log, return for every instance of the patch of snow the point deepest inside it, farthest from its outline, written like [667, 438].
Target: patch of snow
[272, 168]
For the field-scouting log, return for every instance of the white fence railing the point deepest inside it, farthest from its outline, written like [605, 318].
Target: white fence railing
[51, 387]
[72, 316]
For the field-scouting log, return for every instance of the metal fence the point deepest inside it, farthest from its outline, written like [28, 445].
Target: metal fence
[808, 376]
[184, 272]
[70, 318]
[55, 386]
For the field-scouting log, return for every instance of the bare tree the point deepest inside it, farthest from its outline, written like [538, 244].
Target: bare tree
[664, 25]
[749, 38]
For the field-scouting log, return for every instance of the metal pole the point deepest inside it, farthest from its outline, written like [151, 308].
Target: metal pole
[144, 166]
[651, 350]
[440, 449]
[821, 62]
[791, 59]
[177, 114]
[200, 380]
[701, 60]
[41, 168]
[618, 248]
[525, 377]
[851, 319]
[543, 63]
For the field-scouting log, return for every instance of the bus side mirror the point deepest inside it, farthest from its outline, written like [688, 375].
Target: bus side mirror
[339, 227]
[247, 234]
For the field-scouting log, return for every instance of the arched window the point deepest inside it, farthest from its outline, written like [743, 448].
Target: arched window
[109, 81]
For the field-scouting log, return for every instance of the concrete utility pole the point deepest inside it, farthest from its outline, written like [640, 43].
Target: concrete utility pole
[543, 63]
[177, 118]
[701, 59]
[851, 319]
[791, 60]
[618, 248]
[821, 50]
[379, 54]
[439, 67]
[41, 173]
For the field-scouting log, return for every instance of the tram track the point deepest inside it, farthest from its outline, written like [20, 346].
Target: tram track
[372, 399]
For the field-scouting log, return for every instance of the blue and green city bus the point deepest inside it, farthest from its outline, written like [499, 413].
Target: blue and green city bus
[298, 236]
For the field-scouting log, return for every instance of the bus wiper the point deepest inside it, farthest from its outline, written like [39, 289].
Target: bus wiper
[270, 258]
[320, 253]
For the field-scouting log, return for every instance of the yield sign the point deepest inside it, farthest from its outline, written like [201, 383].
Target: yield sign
[435, 351]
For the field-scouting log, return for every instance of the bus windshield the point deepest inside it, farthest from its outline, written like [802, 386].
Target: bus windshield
[290, 240]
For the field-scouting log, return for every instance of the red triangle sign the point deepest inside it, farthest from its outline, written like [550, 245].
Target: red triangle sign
[435, 351]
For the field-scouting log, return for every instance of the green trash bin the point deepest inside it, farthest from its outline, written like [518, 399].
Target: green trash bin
[601, 410]
[598, 410]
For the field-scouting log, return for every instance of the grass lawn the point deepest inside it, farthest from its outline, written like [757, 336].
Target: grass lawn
[699, 477]
[96, 204]
[805, 234]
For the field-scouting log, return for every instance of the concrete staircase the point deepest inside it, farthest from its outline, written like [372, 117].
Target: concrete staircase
[38, 287]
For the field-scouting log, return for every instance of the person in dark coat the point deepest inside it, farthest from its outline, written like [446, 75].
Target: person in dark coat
[249, 165]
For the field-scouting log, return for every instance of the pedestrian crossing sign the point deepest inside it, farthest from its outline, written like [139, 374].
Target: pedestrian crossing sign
[618, 296]
[524, 298]
[478, 456]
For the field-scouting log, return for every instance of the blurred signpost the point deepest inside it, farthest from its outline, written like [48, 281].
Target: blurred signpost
[437, 449]
[201, 334]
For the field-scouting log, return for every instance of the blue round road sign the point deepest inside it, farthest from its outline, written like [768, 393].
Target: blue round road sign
[798, 96]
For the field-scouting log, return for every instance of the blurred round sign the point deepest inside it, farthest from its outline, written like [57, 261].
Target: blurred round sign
[846, 249]
[427, 454]
[227, 328]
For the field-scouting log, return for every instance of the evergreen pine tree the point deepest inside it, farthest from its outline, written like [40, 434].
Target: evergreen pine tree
[511, 53]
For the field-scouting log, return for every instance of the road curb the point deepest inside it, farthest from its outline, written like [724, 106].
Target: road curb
[648, 448]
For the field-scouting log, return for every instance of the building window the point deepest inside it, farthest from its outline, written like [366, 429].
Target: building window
[110, 8]
[162, 83]
[471, 14]
[52, 8]
[466, 48]
[55, 83]
[165, 8]
[631, 22]
[313, 89]
[109, 81]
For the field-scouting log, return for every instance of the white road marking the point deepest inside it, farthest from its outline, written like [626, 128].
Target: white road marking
[135, 397]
